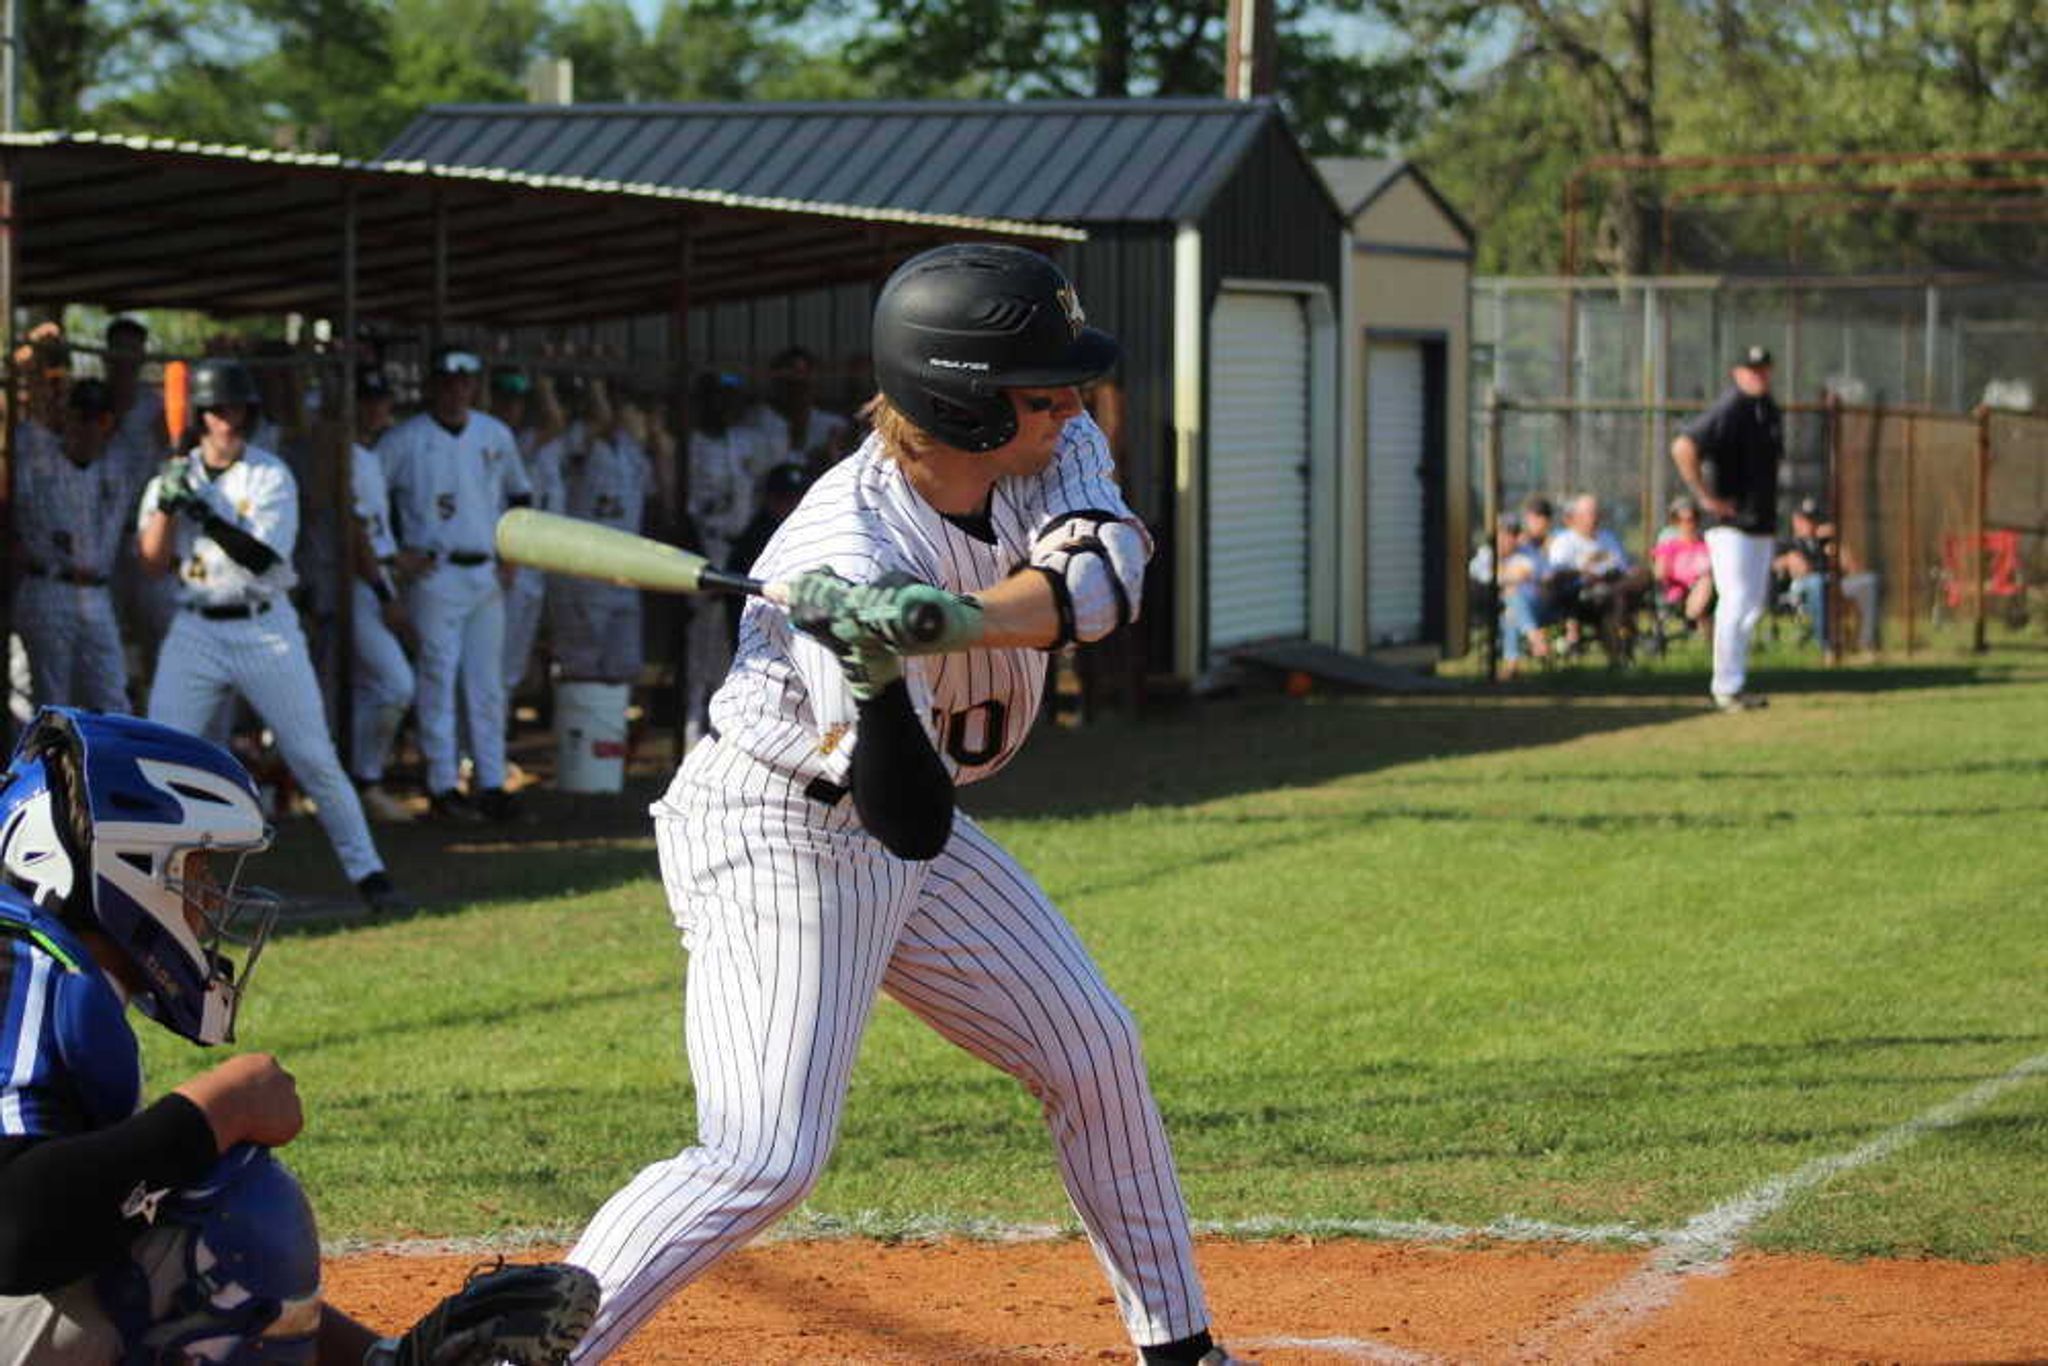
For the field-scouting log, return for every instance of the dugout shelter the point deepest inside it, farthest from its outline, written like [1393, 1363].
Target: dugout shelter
[1213, 250]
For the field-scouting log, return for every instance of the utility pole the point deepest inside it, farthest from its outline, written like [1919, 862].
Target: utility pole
[1248, 58]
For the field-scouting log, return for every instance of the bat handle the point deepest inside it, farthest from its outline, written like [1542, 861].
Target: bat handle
[725, 581]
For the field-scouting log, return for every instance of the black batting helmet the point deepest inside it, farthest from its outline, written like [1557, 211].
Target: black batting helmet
[957, 325]
[221, 384]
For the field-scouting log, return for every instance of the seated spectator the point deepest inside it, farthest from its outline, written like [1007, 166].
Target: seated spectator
[1683, 568]
[1802, 566]
[1590, 578]
[1519, 544]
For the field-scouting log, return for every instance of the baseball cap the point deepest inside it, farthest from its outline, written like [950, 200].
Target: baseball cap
[1810, 509]
[91, 396]
[508, 380]
[454, 360]
[1754, 357]
[372, 383]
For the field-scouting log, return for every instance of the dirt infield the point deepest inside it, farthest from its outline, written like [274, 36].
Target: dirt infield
[1285, 1302]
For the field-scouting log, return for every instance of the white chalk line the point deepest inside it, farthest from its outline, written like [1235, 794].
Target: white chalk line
[1701, 1246]
[1705, 1243]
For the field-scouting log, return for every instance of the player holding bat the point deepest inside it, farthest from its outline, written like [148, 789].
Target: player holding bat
[811, 850]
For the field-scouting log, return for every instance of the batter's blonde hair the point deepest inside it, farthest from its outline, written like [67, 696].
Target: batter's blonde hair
[901, 438]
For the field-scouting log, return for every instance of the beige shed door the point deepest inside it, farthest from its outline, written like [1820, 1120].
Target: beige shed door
[1258, 469]
[1394, 430]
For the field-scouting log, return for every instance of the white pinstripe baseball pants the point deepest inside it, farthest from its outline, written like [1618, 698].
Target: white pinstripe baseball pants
[73, 643]
[384, 686]
[794, 918]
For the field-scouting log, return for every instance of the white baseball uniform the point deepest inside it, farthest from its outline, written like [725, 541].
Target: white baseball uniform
[69, 521]
[447, 492]
[724, 489]
[384, 680]
[236, 633]
[526, 599]
[596, 625]
[794, 917]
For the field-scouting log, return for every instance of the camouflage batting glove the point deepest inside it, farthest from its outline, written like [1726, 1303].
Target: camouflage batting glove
[913, 618]
[174, 492]
[817, 602]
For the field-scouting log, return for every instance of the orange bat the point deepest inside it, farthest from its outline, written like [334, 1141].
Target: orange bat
[177, 402]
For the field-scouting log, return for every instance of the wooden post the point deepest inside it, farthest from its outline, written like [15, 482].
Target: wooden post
[1980, 480]
[1909, 560]
[1831, 573]
[1490, 455]
[341, 493]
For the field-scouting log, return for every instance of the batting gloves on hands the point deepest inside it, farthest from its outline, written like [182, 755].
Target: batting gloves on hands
[174, 492]
[871, 626]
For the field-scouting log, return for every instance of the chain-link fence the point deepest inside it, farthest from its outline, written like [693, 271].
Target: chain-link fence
[1940, 520]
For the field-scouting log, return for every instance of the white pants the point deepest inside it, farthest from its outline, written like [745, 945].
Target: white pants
[795, 918]
[523, 604]
[1742, 590]
[459, 613]
[73, 643]
[596, 631]
[263, 659]
[384, 686]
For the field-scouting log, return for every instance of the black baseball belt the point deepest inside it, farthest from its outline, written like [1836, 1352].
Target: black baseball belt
[229, 611]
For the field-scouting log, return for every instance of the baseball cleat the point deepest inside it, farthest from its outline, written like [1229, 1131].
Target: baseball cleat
[383, 898]
[454, 808]
[526, 1315]
[1740, 701]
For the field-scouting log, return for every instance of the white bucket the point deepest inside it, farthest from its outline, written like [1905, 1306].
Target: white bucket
[590, 736]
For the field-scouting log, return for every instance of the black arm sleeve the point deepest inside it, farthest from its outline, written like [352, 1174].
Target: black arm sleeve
[244, 549]
[900, 787]
[61, 1198]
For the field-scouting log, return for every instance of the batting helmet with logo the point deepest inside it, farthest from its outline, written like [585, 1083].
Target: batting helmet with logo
[957, 325]
[223, 383]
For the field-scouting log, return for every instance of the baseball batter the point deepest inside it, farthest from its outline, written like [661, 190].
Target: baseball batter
[811, 850]
[71, 504]
[224, 517]
[452, 471]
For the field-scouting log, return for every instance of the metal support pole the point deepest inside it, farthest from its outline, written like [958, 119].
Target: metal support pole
[1929, 349]
[341, 493]
[437, 327]
[1490, 472]
[679, 342]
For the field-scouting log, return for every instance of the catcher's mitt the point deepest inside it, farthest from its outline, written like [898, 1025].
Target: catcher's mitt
[529, 1315]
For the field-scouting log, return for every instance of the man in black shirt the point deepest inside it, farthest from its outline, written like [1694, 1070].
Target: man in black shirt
[1729, 457]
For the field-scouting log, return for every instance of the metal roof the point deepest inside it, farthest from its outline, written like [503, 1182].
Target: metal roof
[1061, 161]
[1355, 182]
[148, 222]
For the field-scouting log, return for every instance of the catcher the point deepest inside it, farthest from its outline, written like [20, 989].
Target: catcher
[168, 1232]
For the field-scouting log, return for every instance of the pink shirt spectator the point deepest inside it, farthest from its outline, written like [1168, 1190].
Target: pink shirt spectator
[1680, 565]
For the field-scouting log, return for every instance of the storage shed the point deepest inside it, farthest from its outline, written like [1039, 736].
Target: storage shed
[1407, 316]
[1214, 252]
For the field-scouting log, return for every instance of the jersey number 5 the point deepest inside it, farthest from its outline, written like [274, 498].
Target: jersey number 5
[444, 503]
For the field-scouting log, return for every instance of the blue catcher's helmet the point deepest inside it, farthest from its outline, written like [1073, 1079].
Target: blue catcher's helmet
[228, 1272]
[112, 823]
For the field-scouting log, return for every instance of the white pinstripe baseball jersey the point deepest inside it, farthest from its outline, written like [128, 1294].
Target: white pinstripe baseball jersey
[372, 497]
[67, 517]
[257, 494]
[786, 701]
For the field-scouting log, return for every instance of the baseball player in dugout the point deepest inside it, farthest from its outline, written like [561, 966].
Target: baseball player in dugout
[378, 624]
[1729, 457]
[453, 469]
[71, 505]
[169, 1231]
[224, 518]
[811, 850]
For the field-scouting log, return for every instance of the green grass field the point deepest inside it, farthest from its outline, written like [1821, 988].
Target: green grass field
[1578, 952]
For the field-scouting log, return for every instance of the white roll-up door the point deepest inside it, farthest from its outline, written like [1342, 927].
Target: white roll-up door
[1258, 469]
[1394, 418]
